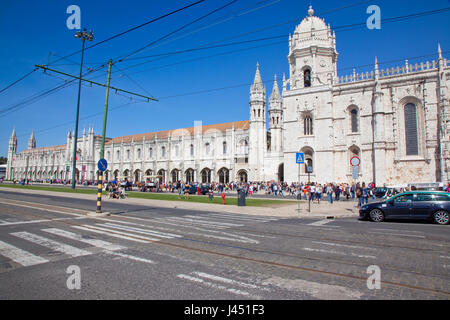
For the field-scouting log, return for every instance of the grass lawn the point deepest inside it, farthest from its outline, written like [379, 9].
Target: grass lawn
[163, 196]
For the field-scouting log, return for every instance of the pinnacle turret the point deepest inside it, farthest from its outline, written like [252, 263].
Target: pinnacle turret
[257, 83]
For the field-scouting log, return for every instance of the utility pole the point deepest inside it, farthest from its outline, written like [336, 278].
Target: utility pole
[83, 36]
[102, 148]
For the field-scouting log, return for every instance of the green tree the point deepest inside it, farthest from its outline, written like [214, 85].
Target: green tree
[3, 160]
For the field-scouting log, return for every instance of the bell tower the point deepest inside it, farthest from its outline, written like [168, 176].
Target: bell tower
[12, 150]
[257, 130]
[312, 53]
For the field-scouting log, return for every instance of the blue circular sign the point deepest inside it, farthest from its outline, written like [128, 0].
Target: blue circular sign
[102, 165]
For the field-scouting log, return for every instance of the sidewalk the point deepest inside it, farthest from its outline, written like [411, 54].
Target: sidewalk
[338, 209]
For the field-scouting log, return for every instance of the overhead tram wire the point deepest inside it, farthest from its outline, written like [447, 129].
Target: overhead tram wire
[198, 19]
[176, 30]
[216, 23]
[81, 119]
[134, 28]
[219, 89]
[38, 96]
[271, 80]
[337, 29]
[258, 30]
[389, 20]
[106, 40]
[255, 31]
[129, 30]
[18, 80]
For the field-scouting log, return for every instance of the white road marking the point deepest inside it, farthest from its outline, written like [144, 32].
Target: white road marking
[36, 207]
[216, 286]
[181, 223]
[343, 245]
[51, 244]
[228, 281]
[123, 255]
[398, 230]
[115, 234]
[20, 256]
[321, 223]
[340, 253]
[94, 242]
[142, 231]
[38, 221]
[198, 220]
[242, 218]
[398, 234]
[208, 233]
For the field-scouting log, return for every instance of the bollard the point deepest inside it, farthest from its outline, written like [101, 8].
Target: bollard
[223, 198]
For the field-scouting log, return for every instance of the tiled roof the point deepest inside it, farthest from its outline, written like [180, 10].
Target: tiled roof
[238, 125]
[43, 149]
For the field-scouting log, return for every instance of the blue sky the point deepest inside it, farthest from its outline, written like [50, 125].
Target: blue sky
[185, 84]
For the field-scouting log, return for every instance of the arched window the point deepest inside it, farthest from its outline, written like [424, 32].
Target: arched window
[308, 126]
[224, 147]
[307, 78]
[108, 155]
[192, 150]
[411, 131]
[163, 152]
[139, 153]
[128, 154]
[206, 175]
[244, 146]
[309, 158]
[150, 153]
[118, 155]
[177, 151]
[207, 148]
[354, 120]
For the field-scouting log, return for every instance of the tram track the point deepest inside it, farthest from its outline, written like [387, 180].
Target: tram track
[256, 260]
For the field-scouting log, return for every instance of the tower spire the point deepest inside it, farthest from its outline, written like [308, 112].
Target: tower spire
[275, 91]
[257, 82]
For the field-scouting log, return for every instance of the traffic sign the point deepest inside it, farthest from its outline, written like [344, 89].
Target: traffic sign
[309, 169]
[355, 161]
[355, 172]
[300, 158]
[102, 165]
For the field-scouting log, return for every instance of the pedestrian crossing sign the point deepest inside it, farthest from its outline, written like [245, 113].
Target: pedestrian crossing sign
[300, 158]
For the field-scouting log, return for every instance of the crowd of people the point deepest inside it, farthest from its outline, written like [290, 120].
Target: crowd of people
[313, 191]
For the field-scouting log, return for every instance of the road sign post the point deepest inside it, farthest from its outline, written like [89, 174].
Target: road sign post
[102, 166]
[299, 159]
[309, 169]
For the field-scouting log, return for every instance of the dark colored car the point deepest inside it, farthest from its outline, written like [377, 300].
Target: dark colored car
[422, 205]
[127, 185]
[380, 192]
[203, 190]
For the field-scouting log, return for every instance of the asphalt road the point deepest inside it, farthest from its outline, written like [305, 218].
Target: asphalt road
[145, 252]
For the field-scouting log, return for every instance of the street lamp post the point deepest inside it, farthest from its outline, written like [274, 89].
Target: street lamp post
[89, 36]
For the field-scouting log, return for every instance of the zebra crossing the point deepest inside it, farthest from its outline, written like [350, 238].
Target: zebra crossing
[235, 287]
[155, 229]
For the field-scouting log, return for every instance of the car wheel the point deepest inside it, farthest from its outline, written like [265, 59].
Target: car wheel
[441, 217]
[376, 215]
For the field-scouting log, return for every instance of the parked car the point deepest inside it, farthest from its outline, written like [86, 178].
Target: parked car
[380, 192]
[422, 205]
[127, 185]
[203, 189]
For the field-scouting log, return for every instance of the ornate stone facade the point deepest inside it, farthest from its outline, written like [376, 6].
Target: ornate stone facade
[397, 121]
